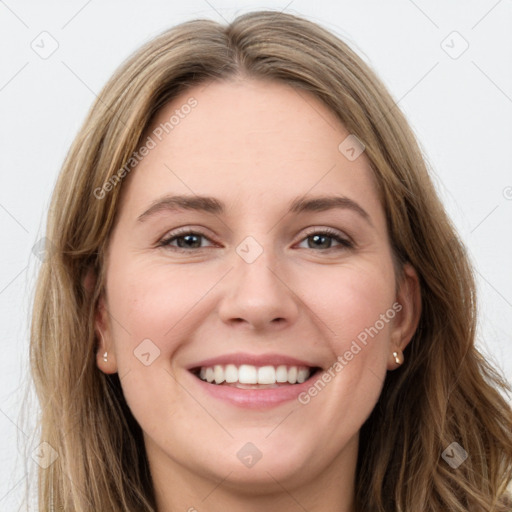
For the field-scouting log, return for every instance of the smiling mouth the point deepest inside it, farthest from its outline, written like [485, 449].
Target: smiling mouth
[246, 376]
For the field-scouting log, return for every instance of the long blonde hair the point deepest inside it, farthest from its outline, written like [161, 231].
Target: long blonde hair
[447, 392]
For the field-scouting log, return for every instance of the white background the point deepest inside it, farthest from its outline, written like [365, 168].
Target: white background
[460, 109]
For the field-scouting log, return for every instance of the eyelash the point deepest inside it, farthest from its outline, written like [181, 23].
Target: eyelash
[330, 233]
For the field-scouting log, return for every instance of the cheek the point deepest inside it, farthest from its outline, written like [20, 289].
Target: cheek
[152, 314]
[364, 308]
[154, 304]
[355, 305]
[350, 301]
[365, 325]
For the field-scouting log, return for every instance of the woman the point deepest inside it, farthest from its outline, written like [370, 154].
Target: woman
[255, 299]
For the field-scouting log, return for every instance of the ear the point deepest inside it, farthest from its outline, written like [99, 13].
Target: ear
[102, 328]
[408, 316]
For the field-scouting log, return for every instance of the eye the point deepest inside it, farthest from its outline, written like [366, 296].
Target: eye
[186, 240]
[323, 239]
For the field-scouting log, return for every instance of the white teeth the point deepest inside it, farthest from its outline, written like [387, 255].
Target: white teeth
[302, 375]
[281, 374]
[218, 373]
[249, 374]
[209, 374]
[231, 373]
[292, 375]
[266, 375]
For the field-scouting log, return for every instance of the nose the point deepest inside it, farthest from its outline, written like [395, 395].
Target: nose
[258, 296]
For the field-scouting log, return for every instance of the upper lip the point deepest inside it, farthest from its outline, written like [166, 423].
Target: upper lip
[240, 358]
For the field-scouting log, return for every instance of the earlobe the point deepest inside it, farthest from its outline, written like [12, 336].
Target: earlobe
[406, 321]
[105, 359]
[105, 356]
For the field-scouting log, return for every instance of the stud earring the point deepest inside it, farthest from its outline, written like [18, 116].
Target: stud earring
[397, 358]
[105, 355]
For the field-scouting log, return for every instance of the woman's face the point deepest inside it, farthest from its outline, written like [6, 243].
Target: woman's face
[258, 292]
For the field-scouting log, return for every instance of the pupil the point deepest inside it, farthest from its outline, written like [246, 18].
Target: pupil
[187, 238]
[316, 238]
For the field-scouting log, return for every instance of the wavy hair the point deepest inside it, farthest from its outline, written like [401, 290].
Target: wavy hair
[447, 392]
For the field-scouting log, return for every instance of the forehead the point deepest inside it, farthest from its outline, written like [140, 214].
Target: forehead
[250, 143]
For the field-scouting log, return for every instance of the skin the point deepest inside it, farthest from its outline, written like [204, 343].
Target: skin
[254, 145]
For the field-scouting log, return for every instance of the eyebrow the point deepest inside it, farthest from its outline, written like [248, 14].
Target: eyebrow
[215, 206]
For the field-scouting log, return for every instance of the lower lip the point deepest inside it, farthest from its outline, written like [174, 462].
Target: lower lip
[256, 398]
